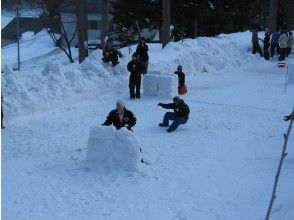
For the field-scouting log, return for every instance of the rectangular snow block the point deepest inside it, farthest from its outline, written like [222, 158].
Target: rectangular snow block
[167, 86]
[150, 84]
[291, 73]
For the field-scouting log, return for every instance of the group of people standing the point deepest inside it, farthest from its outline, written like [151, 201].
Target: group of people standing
[122, 117]
[279, 42]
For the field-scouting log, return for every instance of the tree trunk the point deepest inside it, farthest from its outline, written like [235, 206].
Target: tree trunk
[165, 22]
[82, 29]
[273, 15]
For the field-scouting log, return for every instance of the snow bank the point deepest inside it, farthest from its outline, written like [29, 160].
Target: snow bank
[31, 46]
[291, 73]
[113, 149]
[59, 83]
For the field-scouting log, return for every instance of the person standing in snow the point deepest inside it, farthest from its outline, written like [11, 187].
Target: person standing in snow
[179, 116]
[142, 54]
[111, 54]
[182, 89]
[283, 45]
[255, 44]
[120, 117]
[290, 43]
[266, 44]
[136, 68]
[275, 42]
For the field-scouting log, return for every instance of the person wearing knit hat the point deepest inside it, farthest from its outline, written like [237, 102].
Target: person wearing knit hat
[142, 52]
[179, 116]
[120, 117]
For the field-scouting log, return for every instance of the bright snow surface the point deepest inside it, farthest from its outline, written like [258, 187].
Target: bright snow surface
[220, 165]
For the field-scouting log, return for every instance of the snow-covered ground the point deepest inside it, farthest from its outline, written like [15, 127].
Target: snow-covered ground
[220, 165]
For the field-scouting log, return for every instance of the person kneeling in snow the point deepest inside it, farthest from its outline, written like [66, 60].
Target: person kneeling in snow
[120, 117]
[111, 54]
[179, 116]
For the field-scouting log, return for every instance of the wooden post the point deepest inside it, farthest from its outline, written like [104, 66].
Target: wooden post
[165, 22]
[82, 29]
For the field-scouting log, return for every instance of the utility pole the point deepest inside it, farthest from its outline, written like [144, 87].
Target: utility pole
[273, 15]
[18, 35]
[165, 22]
[104, 29]
[82, 29]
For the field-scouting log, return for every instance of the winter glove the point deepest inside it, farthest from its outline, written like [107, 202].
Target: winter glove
[104, 124]
[160, 104]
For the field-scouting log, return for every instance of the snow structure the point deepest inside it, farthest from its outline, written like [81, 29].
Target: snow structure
[113, 149]
[92, 78]
[150, 84]
[162, 86]
[166, 86]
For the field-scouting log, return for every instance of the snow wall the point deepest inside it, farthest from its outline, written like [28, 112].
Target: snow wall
[27, 92]
[113, 149]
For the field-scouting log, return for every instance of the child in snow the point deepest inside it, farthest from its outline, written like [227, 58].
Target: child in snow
[290, 42]
[275, 42]
[136, 68]
[283, 45]
[182, 89]
[142, 54]
[266, 44]
[179, 116]
[120, 117]
[111, 54]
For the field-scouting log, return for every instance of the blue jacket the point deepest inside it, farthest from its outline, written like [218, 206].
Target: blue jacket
[275, 37]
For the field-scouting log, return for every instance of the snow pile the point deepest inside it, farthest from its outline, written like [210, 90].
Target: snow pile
[113, 149]
[29, 91]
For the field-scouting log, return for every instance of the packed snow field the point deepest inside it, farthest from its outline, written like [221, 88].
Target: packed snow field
[220, 165]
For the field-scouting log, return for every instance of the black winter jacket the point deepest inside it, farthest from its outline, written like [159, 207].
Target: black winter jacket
[128, 120]
[181, 109]
[181, 77]
[142, 52]
[135, 67]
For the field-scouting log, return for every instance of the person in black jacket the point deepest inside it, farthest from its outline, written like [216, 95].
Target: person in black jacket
[179, 116]
[266, 45]
[136, 68]
[120, 117]
[142, 53]
[111, 54]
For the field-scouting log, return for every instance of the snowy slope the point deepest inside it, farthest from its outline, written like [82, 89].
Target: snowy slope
[220, 165]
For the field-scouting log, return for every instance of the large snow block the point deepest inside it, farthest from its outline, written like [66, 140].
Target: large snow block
[113, 149]
[291, 73]
[150, 84]
[167, 86]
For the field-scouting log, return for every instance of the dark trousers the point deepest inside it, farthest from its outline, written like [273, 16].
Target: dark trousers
[275, 46]
[283, 52]
[266, 53]
[176, 120]
[135, 85]
[256, 48]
